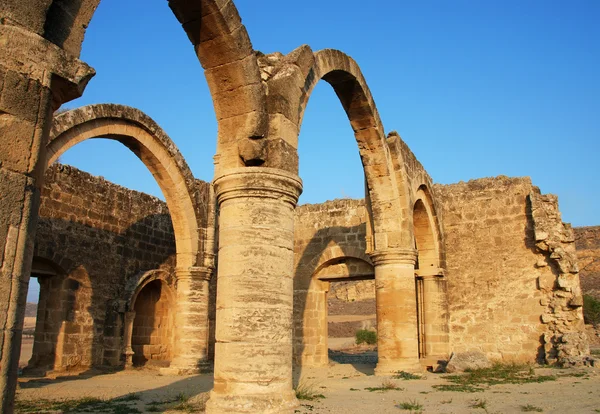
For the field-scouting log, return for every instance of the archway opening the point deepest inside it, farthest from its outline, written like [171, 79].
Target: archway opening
[352, 321]
[63, 334]
[424, 238]
[36, 334]
[335, 170]
[430, 285]
[348, 315]
[152, 336]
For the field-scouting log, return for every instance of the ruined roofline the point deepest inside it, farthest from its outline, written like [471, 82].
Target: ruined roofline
[483, 182]
[593, 228]
[66, 169]
[476, 183]
[335, 203]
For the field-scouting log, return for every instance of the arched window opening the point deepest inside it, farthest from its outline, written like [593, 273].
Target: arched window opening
[153, 326]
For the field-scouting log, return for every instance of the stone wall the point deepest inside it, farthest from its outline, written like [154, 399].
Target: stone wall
[512, 280]
[513, 288]
[95, 240]
[587, 241]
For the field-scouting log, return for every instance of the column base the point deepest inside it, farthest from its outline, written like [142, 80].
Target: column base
[262, 403]
[389, 368]
[187, 368]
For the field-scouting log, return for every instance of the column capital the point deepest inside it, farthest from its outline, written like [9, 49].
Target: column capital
[258, 182]
[393, 256]
[193, 273]
[39, 59]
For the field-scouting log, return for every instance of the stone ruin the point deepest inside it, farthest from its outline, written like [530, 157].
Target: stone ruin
[126, 279]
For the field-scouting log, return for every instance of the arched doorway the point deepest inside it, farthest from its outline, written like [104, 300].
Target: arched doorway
[152, 332]
[64, 326]
[430, 283]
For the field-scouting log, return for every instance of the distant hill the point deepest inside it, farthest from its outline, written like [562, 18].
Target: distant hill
[31, 310]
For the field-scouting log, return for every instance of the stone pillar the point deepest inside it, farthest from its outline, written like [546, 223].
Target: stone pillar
[435, 313]
[253, 354]
[128, 332]
[395, 293]
[36, 76]
[314, 347]
[190, 350]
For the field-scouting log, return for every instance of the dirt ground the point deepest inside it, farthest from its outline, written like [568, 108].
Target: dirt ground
[340, 388]
[343, 390]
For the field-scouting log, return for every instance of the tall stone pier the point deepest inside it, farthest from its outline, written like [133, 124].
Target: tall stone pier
[36, 77]
[253, 352]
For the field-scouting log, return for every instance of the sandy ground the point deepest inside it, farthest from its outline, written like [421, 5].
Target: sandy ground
[343, 387]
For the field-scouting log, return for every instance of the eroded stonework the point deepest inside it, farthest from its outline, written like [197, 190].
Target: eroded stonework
[528, 250]
[485, 264]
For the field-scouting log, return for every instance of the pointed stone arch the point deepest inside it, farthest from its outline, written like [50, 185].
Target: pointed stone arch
[290, 86]
[426, 230]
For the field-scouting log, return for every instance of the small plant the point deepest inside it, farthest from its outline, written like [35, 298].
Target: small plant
[411, 405]
[457, 388]
[403, 375]
[478, 379]
[307, 392]
[386, 385]
[129, 397]
[86, 404]
[183, 404]
[531, 409]
[479, 404]
[364, 336]
[354, 389]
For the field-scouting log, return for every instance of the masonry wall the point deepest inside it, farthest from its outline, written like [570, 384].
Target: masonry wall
[512, 278]
[587, 241]
[513, 288]
[99, 238]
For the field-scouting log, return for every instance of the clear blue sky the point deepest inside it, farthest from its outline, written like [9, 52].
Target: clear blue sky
[476, 89]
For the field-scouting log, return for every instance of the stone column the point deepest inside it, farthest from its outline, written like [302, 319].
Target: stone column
[435, 312]
[128, 332]
[253, 354]
[36, 76]
[395, 293]
[190, 354]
